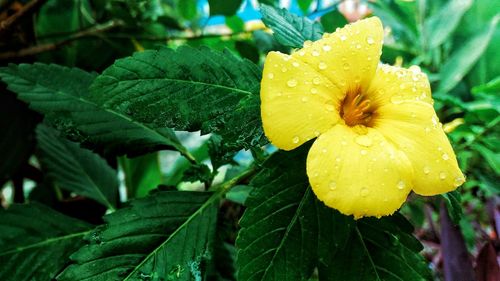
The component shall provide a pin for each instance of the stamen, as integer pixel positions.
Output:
(357, 109)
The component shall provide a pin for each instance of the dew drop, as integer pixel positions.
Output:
(427, 129)
(442, 175)
(364, 192)
(291, 83)
(363, 152)
(296, 139)
(343, 142)
(343, 37)
(338, 159)
(314, 91)
(370, 40)
(329, 107)
(364, 140)
(302, 53)
(283, 69)
(427, 170)
(397, 99)
(324, 150)
(315, 53)
(308, 43)
(270, 75)
(459, 181)
(346, 66)
(304, 99)
(316, 80)
(401, 185)
(327, 48)
(333, 185)
(358, 46)
(322, 65)
(295, 64)
(445, 156)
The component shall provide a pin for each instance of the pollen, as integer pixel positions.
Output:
(357, 109)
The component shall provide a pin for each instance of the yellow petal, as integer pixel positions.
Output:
(395, 85)
(356, 171)
(349, 56)
(298, 103)
(407, 119)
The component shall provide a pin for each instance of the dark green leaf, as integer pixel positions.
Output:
(61, 94)
(224, 7)
(76, 169)
(491, 157)
(282, 225)
(464, 58)
(165, 236)
(186, 89)
(441, 25)
(200, 172)
(35, 242)
(378, 249)
(333, 20)
(289, 29)
(453, 205)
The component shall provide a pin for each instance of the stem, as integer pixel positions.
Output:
(226, 186)
(477, 137)
(27, 10)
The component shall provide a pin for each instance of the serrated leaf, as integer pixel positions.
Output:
(35, 242)
(442, 24)
(61, 94)
(465, 56)
(289, 29)
(165, 236)
(453, 205)
(280, 230)
(186, 89)
(378, 249)
(76, 169)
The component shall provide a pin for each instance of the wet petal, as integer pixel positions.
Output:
(356, 171)
(415, 129)
(395, 85)
(298, 103)
(349, 56)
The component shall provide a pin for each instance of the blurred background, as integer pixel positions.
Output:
(456, 42)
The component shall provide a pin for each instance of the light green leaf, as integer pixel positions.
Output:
(186, 89)
(61, 94)
(464, 58)
(142, 174)
(289, 29)
(304, 5)
(441, 25)
(35, 241)
(280, 230)
(76, 169)
(187, 8)
(165, 236)
(492, 158)
(378, 249)
(224, 7)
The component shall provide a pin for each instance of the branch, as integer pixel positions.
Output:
(34, 50)
(27, 10)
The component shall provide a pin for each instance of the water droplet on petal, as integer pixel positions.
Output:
(324, 150)
(327, 48)
(442, 175)
(315, 53)
(427, 170)
(302, 53)
(316, 80)
(364, 140)
(445, 156)
(346, 66)
(283, 69)
(343, 37)
(333, 185)
(295, 64)
(291, 83)
(397, 99)
(322, 65)
(358, 46)
(307, 43)
(304, 99)
(296, 139)
(459, 181)
(364, 192)
(338, 159)
(270, 75)
(363, 152)
(401, 185)
(317, 133)
(314, 91)
(370, 40)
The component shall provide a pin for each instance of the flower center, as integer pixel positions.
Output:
(357, 109)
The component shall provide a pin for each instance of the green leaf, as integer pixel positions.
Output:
(378, 249)
(289, 29)
(280, 230)
(165, 236)
(35, 241)
(224, 7)
(453, 205)
(441, 25)
(187, 8)
(464, 58)
(61, 94)
(235, 23)
(142, 174)
(492, 158)
(76, 169)
(333, 20)
(492, 87)
(304, 5)
(186, 89)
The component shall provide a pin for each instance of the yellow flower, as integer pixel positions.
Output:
(378, 136)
